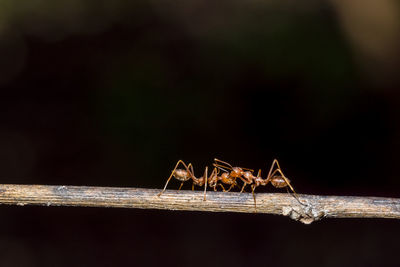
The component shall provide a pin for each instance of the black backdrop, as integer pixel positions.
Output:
(95, 99)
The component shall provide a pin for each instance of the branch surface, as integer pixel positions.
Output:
(307, 208)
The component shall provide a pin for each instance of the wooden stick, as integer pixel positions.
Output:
(307, 208)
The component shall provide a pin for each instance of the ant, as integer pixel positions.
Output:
(277, 180)
(185, 174)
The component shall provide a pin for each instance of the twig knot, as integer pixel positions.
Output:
(303, 213)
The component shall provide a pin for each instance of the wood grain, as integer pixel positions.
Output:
(307, 208)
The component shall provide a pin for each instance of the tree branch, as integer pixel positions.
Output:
(307, 208)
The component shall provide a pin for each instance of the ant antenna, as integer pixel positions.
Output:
(226, 163)
(229, 165)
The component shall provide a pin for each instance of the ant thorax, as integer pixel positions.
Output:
(248, 176)
(181, 175)
(237, 171)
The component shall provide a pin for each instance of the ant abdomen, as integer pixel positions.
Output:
(182, 175)
(279, 182)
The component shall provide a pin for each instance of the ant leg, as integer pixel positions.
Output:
(191, 172)
(205, 181)
(253, 187)
(270, 170)
(244, 185)
(180, 186)
(190, 169)
(172, 174)
(233, 185)
(226, 163)
(296, 197)
(223, 188)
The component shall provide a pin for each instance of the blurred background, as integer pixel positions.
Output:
(114, 93)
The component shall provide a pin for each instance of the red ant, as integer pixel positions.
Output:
(277, 181)
(185, 174)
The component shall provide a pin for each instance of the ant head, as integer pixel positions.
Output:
(212, 182)
(224, 175)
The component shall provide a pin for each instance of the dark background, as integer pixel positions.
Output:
(113, 93)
